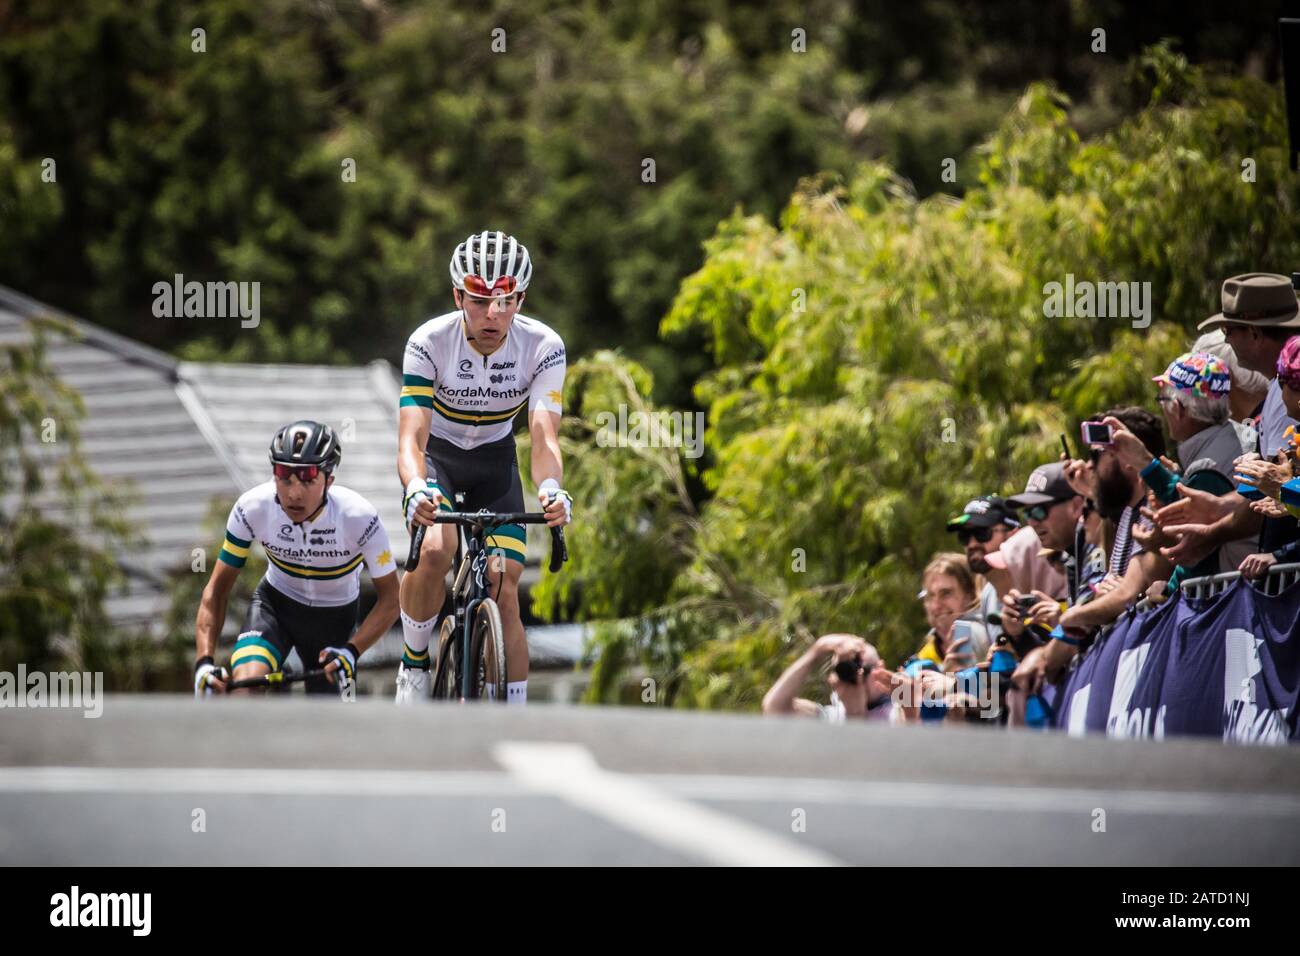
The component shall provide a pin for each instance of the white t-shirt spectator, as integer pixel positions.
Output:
(1273, 421)
(834, 711)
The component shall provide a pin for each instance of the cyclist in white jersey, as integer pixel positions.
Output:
(316, 535)
(466, 375)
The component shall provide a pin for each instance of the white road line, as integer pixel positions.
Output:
(973, 796)
(259, 780)
(570, 771)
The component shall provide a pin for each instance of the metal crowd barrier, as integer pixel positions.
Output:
(1279, 578)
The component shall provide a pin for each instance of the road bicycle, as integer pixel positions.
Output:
(470, 663)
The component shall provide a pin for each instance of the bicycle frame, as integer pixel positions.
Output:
(469, 591)
(470, 587)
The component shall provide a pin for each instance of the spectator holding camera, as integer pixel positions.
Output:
(957, 638)
(1057, 513)
(858, 680)
(1194, 396)
(1126, 435)
(1260, 313)
(1004, 553)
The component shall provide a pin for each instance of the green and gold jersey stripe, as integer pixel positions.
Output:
(254, 647)
(234, 551)
(509, 540)
(416, 390)
(317, 574)
(473, 418)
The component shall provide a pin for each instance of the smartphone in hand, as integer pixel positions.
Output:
(1096, 433)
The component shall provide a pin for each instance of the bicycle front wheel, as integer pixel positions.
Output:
(488, 654)
(446, 676)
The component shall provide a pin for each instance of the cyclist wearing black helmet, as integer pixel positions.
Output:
(316, 535)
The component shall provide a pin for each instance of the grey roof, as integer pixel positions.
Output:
(177, 435)
(244, 405)
(138, 437)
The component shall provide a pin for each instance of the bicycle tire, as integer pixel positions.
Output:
(446, 679)
(488, 652)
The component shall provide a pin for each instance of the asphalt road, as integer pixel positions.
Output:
(165, 780)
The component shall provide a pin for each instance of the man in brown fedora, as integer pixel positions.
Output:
(1259, 313)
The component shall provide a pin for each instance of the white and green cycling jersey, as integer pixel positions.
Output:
(475, 397)
(316, 562)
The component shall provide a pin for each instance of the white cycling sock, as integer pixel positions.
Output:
(491, 690)
(416, 635)
(517, 692)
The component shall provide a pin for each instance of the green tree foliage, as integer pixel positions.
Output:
(227, 164)
(60, 527)
(185, 590)
(923, 371)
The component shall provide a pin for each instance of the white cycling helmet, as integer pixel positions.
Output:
(491, 263)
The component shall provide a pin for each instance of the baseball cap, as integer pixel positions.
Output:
(1046, 484)
(1200, 373)
(986, 511)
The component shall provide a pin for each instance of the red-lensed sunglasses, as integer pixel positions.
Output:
(477, 285)
(305, 473)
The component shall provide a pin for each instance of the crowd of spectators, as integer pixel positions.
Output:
(1042, 572)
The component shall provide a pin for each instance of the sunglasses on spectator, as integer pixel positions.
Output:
(981, 535)
(305, 473)
(1040, 512)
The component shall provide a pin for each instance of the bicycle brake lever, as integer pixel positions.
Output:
(559, 550)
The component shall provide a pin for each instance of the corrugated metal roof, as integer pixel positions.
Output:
(247, 404)
(137, 437)
(175, 435)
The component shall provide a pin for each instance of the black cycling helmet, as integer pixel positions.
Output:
(306, 443)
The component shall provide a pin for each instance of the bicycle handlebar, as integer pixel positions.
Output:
(490, 519)
(274, 678)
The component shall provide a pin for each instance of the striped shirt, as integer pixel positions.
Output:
(317, 562)
(475, 397)
(1124, 546)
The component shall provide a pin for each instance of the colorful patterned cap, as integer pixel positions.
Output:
(1200, 373)
(1288, 363)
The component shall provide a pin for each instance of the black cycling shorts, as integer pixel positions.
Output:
(276, 624)
(488, 477)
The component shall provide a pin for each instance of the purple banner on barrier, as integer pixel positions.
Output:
(1134, 706)
(1226, 666)
(1087, 694)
